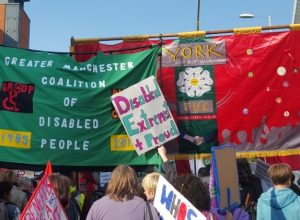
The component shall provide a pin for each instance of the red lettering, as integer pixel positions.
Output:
(181, 212)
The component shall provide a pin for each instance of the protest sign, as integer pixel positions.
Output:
(145, 115)
(227, 182)
(172, 205)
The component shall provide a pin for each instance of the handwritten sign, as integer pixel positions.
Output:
(145, 115)
(43, 204)
(172, 205)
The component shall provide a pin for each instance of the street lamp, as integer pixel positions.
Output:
(198, 15)
(247, 15)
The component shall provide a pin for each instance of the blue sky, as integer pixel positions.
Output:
(54, 22)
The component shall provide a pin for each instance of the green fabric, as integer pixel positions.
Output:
(58, 102)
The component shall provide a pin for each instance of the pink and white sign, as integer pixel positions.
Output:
(145, 115)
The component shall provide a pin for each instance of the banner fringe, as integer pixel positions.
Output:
(250, 154)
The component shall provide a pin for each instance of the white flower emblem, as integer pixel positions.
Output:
(194, 81)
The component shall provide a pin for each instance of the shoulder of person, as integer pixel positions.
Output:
(11, 204)
(138, 199)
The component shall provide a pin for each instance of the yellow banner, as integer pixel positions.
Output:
(12, 138)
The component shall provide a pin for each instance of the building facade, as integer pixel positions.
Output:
(14, 24)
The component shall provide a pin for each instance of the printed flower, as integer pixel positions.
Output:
(194, 81)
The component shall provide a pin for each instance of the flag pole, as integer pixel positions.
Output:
(174, 35)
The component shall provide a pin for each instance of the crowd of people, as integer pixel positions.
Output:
(125, 197)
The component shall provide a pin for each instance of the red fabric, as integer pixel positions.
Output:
(263, 94)
(87, 182)
(253, 99)
(292, 160)
(183, 167)
(119, 48)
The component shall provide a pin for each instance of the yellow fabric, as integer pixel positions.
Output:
(294, 26)
(81, 199)
(193, 34)
(248, 30)
(250, 154)
(136, 38)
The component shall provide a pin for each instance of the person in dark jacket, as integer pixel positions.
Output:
(293, 186)
(12, 210)
(250, 185)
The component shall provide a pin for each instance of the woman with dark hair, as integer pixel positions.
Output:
(120, 201)
(194, 190)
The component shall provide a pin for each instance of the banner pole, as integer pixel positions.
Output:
(167, 35)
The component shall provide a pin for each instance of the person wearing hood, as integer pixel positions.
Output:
(279, 202)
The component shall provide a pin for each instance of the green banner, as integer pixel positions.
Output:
(54, 108)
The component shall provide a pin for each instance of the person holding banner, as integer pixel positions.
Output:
(120, 201)
(149, 182)
(279, 202)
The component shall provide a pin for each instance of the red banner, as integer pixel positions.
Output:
(249, 88)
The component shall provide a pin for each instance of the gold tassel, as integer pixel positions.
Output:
(294, 27)
(248, 30)
(250, 154)
(193, 34)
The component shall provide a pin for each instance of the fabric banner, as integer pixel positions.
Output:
(54, 108)
(235, 89)
(145, 115)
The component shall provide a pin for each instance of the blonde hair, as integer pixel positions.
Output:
(149, 182)
(280, 173)
(123, 184)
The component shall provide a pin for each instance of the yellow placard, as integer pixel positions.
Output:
(121, 143)
(12, 138)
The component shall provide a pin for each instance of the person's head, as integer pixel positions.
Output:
(203, 172)
(24, 183)
(9, 176)
(140, 192)
(194, 190)
(280, 174)
(243, 166)
(149, 184)
(123, 183)
(71, 175)
(61, 185)
(5, 188)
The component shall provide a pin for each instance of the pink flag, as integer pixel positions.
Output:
(44, 203)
